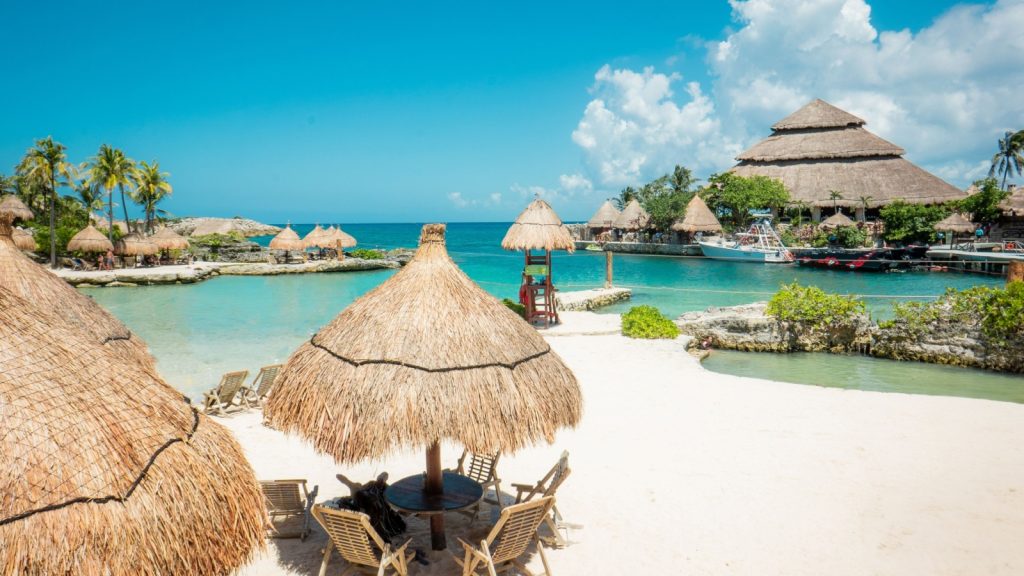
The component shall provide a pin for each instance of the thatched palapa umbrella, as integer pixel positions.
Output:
(134, 245)
(12, 208)
(341, 238)
(955, 223)
(605, 216)
(315, 238)
(108, 470)
(633, 217)
(167, 239)
(399, 369)
(287, 240)
(32, 282)
(89, 239)
(538, 228)
(698, 218)
(24, 240)
(837, 220)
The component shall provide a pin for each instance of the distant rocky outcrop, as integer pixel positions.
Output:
(205, 226)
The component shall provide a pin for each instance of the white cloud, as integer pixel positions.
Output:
(575, 182)
(945, 93)
(457, 199)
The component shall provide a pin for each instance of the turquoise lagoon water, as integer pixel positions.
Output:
(200, 331)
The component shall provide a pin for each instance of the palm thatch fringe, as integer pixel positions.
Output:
(633, 217)
(32, 282)
(89, 239)
(13, 208)
(818, 144)
(698, 218)
(1014, 203)
(135, 245)
(604, 217)
(955, 222)
(396, 369)
(837, 220)
(818, 114)
(24, 240)
(312, 240)
(538, 228)
(337, 235)
(167, 239)
(287, 239)
(106, 468)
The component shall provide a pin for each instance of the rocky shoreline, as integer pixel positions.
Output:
(939, 341)
(243, 226)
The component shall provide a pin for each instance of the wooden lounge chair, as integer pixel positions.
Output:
(482, 469)
(547, 486)
(357, 542)
(257, 392)
(223, 396)
(289, 498)
(510, 537)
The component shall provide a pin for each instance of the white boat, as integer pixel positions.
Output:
(759, 244)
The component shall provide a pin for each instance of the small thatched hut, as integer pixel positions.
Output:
(957, 223)
(1014, 203)
(24, 240)
(30, 281)
(820, 149)
(106, 469)
(605, 217)
(287, 240)
(426, 356)
(135, 245)
(633, 217)
(837, 220)
(167, 239)
(13, 208)
(698, 218)
(89, 239)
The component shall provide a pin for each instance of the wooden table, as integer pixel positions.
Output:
(408, 494)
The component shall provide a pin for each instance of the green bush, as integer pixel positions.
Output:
(844, 236)
(366, 254)
(1000, 311)
(515, 307)
(812, 305)
(217, 240)
(911, 222)
(648, 322)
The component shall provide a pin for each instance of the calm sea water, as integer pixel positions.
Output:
(200, 331)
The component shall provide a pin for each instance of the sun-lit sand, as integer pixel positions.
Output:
(677, 470)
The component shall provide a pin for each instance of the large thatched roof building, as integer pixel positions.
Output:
(820, 149)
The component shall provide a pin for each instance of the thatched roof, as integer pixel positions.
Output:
(955, 222)
(24, 240)
(106, 469)
(604, 217)
(287, 239)
(167, 239)
(13, 208)
(336, 235)
(397, 369)
(837, 220)
(313, 238)
(32, 282)
(538, 228)
(697, 218)
(89, 239)
(214, 226)
(818, 114)
(1014, 203)
(632, 217)
(820, 148)
(135, 245)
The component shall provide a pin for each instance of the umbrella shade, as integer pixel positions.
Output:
(135, 245)
(604, 217)
(14, 209)
(30, 281)
(396, 369)
(24, 240)
(338, 235)
(167, 239)
(698, 218)
(837, 220)
(955, 222)
(633, 217)
(89, 239)
(287, 239)
(538, 228)
(315, 238)
(109, 466)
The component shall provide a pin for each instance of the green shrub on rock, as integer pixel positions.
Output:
(813, 306)
(648, 322)
(366, 254)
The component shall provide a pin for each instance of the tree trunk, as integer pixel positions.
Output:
(110, 215)
(124, 206)
(53, 220)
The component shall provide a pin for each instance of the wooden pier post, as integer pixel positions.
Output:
(607, 268)
(1015, 271)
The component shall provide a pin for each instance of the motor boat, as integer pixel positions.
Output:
(758, 244)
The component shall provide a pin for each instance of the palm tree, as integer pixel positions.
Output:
(681, 179)
(625, 197)
(89, 194)
(1009, 158)
(47, 163)
(835, 197)
(110, 168)
(796, 211)
(151, 187)
(864, 200)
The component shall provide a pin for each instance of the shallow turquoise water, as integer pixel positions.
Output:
(865, 373)
(200, 331)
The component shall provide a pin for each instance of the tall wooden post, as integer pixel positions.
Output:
(434, 484)
(607, 269)
(1015, 271)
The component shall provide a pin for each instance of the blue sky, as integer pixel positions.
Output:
(460, 111)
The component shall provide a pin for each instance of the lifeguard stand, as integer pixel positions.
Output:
(537, 292)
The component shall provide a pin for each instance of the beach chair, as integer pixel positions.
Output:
(547, 486)
(511, 536)
(482, 469)
(257, 392)
(358, 543)
(223, 396)
(289, 498)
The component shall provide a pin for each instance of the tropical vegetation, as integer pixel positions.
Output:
(1009, 158)
(649, 323)
(813, 306)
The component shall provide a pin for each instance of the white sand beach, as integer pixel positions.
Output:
(677, 470)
